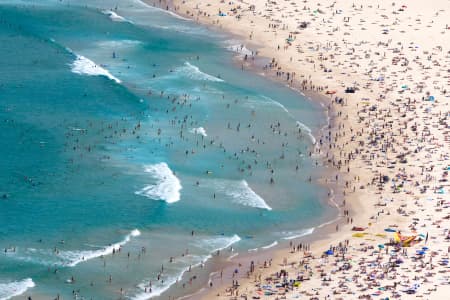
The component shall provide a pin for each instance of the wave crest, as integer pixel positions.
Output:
(114, 16)
(73, 258)
(199, 130)
(70, 258)
(209, 246)
(241, 193)
(193, 72)
(14, 289)
(85, 66)
(166, 187)
(293, 235)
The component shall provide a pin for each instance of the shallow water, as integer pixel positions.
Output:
(132, 128)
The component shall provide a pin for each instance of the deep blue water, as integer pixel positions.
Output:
(173, 139)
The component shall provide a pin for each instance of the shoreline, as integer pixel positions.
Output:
(361, 213)
(322, 233)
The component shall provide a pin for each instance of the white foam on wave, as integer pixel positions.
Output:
(73, 258)
(215, 244)
(307, 130)
(160, 287)
(15, 288)
(174, 27)
(164, 11)
(300, 125)
(193, 72)
(301, 234)
(270, 246)
(167, 186)
(199, 130)
(329, 222)
(270, 101)
(85, 66)
(118, 43)
(242, 194)
(210, 245)
(114, 16)
(240, 49)
(70, 258)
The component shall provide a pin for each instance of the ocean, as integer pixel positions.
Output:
(127, 127)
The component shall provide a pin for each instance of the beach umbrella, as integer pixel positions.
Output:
(329, 252)
(381, 246)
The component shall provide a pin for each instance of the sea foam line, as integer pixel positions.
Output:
(305, 232)
(270, 246)
(73, 258)
(193, 72)
(240, 49)
(164, 11)
(70, 258)
(211, 245)
(199, 130)
(167, 186)
(114, 16)
(241, 193)
(14, 289)
(84, 66)
(308, 131)
(299, 124)
(244, 195)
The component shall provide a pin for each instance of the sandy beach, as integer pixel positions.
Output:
(384, 68)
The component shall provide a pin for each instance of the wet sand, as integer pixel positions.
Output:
(384, 69)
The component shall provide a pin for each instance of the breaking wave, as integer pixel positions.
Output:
(241, 193)
(14, 289)
(181, 266)
(114, 16)
(193, 72)
(85, 66)
(73, 258)
(199, 130)
(166, 187)
(293, 235)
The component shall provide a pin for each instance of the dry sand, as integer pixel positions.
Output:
(389, 149)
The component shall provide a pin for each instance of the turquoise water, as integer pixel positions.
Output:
(133, 129)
